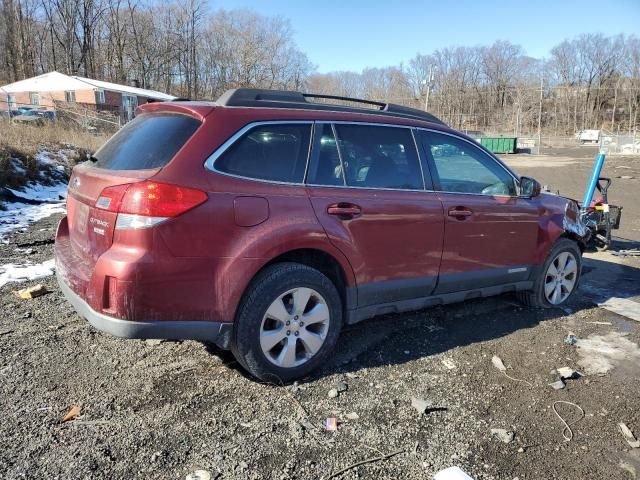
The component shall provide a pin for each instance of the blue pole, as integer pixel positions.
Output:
(593, 181)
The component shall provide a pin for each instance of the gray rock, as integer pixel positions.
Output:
(333, 393)
(199, 475)
(503, 435)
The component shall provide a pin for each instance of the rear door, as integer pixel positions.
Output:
(367, 189)
(490, 233)
(137, 152)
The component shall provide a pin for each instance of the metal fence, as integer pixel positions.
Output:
(621, 144)
(76, 115)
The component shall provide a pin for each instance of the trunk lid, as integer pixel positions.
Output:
(134, 154)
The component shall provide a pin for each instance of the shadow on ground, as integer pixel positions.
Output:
(401, 338)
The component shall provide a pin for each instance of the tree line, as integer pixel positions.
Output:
(178, 47)
(185, 48)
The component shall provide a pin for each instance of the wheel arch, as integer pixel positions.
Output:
(332, 264)
(324, 262)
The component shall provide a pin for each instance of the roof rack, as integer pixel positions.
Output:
(255, 97)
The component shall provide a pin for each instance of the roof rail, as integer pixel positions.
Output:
(255, 97)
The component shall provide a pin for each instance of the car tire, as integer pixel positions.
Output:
(551, 285)
(270, 337)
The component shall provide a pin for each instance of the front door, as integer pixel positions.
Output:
(490, 233)
(367, 190)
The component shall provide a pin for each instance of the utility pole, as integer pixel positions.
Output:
(429, 80)
(540, 114)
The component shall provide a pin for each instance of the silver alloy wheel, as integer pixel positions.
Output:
(294, 327)
(560, 278)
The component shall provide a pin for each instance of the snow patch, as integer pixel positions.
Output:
(18, 215)
(42, 193)
(12, 272)
(601, 353)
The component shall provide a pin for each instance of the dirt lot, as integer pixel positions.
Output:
(164, 410)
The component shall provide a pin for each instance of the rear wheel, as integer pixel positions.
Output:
(287, 323)
(558, 278)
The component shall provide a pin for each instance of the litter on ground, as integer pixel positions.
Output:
(32, 292)
(628, 435)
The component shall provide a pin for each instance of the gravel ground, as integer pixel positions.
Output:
(162, 410)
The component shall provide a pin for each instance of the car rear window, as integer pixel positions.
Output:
(148, 141)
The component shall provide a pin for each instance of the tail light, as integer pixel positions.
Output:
(144, 204)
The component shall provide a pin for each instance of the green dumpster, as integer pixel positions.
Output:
(500, 144)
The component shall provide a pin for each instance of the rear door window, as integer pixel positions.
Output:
(379, 157)
(325, 167)
(148, 141)
(274, 152)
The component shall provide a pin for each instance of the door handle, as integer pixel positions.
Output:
(460, 212)
(345, 210)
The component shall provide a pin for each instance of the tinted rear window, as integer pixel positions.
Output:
(148, 141)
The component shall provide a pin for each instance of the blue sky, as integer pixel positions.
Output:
(353, 34)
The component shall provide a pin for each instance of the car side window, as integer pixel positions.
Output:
(461, 167)
(325, 167)
(379, 157)
(275, 152)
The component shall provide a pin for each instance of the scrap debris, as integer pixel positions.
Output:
(32, 292)
(559, 385)
(199, 475)
(73, 412)
(567, 433)
(421, 405)
(629, 436)
(566, 373)
(499, 364)
(632, 252)
(502, 434)
(570, 339)
(452, 473)
(330, 424)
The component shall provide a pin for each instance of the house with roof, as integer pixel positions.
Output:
(54, 90)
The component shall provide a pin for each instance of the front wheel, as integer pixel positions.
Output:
(558, 278)
(287, 323)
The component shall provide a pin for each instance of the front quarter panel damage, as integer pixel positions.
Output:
(559, 217)
(573, 225)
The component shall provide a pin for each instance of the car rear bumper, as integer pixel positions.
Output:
(206, 331)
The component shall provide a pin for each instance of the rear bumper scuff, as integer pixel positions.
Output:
(206, 331)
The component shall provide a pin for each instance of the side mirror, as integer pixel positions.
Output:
(529, 187)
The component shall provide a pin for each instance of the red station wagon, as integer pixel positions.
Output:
(267, 220)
